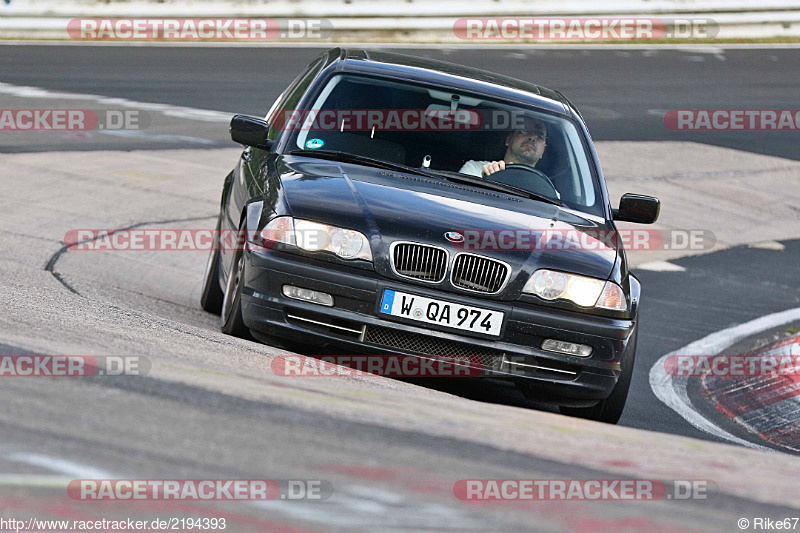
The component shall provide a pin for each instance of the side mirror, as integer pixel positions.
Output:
(250, 131)
(637, 208)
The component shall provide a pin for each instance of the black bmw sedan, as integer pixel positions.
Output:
(396, 205)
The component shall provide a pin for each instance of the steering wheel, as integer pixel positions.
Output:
(526, 177)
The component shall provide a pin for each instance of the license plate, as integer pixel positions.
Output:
(448, 314)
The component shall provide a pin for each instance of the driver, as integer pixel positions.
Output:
(524, 147)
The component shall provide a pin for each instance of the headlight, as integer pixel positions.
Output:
(316, 237)
(582, 290)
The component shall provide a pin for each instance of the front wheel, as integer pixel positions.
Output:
(610, 409)
(212, 297)
(230, 319)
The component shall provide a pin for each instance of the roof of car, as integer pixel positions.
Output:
(448, 74)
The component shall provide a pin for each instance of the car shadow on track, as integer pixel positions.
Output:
(481, 390)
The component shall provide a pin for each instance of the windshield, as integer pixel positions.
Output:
(447, 132)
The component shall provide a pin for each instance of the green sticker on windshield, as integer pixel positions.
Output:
(314, 143)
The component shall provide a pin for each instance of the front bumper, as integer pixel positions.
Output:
(354, 323)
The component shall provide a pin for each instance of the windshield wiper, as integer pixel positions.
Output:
(347, 157)
(500, 187)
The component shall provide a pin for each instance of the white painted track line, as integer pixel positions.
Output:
(672, 391)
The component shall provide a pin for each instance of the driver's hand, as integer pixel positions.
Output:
(494, 166)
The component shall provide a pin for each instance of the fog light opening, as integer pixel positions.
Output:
(307, 295)
(569, 348)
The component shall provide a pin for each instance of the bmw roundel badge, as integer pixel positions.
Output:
(454, 236)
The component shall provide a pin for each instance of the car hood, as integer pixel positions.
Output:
(390, 206)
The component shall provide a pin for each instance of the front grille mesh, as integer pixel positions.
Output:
(419, 261)
(426, 345)
(478, 273)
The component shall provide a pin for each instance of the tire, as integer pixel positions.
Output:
(230, 319)
(212, 296)
(610, 409)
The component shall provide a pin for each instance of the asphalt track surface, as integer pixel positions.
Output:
(386, 479)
